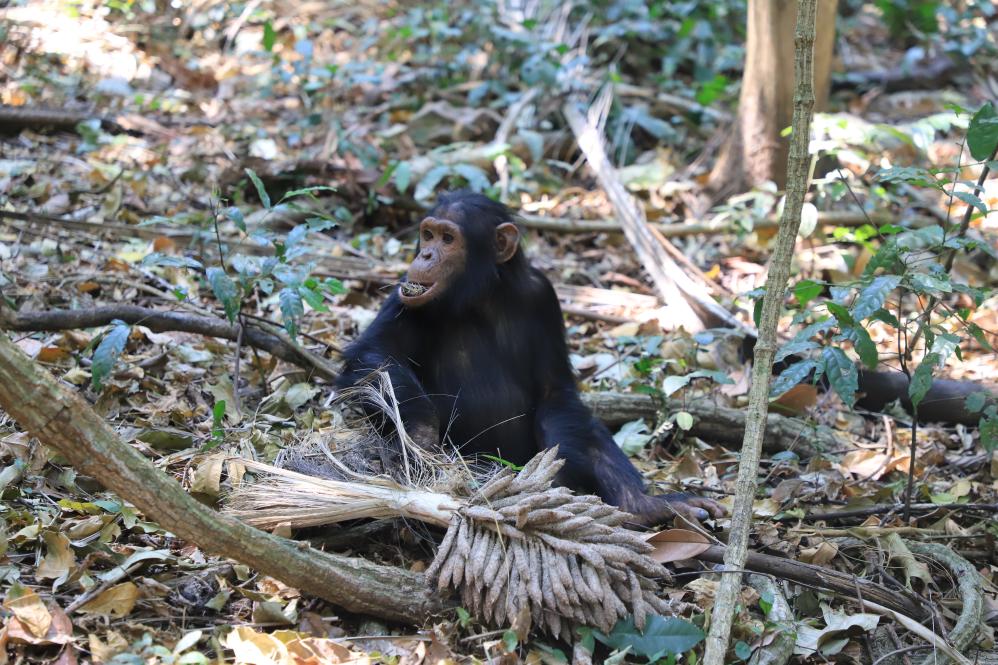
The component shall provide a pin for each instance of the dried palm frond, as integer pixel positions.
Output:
(516, 547)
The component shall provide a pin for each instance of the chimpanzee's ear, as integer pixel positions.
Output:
(507, 241)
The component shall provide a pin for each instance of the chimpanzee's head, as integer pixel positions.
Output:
(465, 242)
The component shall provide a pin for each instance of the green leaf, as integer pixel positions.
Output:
(107, 352)
(930, 284)
(975, 402)
(313, 298)
(684, 420)
(972, 200)
(476, 178)
(269, 37)
(430, 181)
(766, 602)
(661, 637)
(463, 617)
(807, 290)
(794, 347)
(510, 641)
(872, 297)
(260, 189)
(226, 291)
(864, 346)
(989, 433)
(236, 215)
(909, 175)
(921, 379)
(296, 236)
(841, 314)
(159, 259)
(403, 176)
(979, 335)
(982, 134)
(292, 309)
(333, 286)
(887, 257)
(307, 190)
(743, 650)
(842, 374)
(673, 383)
(886, 317)
(791, 376)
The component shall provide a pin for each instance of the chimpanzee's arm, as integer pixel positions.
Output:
(593, 460)
(384, 346)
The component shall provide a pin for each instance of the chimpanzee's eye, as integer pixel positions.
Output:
(427, 235)
(448, 238)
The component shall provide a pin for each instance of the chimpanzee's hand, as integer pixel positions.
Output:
(663, 508)
(425, 436)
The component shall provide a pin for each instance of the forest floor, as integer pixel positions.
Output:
(344, 117)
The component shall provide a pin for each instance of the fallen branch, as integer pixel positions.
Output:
(675, 287)
(928, 74)
(691, 227)
(971, 586)
(59, 418)
(15, 118)
(273, 342)
(848, 586)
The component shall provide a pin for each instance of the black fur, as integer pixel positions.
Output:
(486, 366)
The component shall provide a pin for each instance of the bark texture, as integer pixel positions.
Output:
(755, 152)
(798, 164)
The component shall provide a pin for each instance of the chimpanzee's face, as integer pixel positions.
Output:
(441, 259)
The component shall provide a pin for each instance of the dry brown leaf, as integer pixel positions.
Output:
(28, 608)
(797, 400)
(116, 601)
(59, 558)
(52, 354)
(677, 545)
(208, 475)
(287, 647)
(821, 555)
(60, 630)
(104, 650)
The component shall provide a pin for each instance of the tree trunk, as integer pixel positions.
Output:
(755, 151)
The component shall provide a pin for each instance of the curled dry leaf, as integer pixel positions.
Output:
(676, 545)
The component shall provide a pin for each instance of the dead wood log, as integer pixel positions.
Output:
(929, 74)
(715, 423)
(820, 577)
(59, 418)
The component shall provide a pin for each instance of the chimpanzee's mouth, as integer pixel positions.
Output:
(415, 293)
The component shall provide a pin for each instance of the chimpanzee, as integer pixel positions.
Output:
(474, 342)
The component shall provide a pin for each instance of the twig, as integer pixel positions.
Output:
(951, 255)
(880, 509)
(798, 163)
